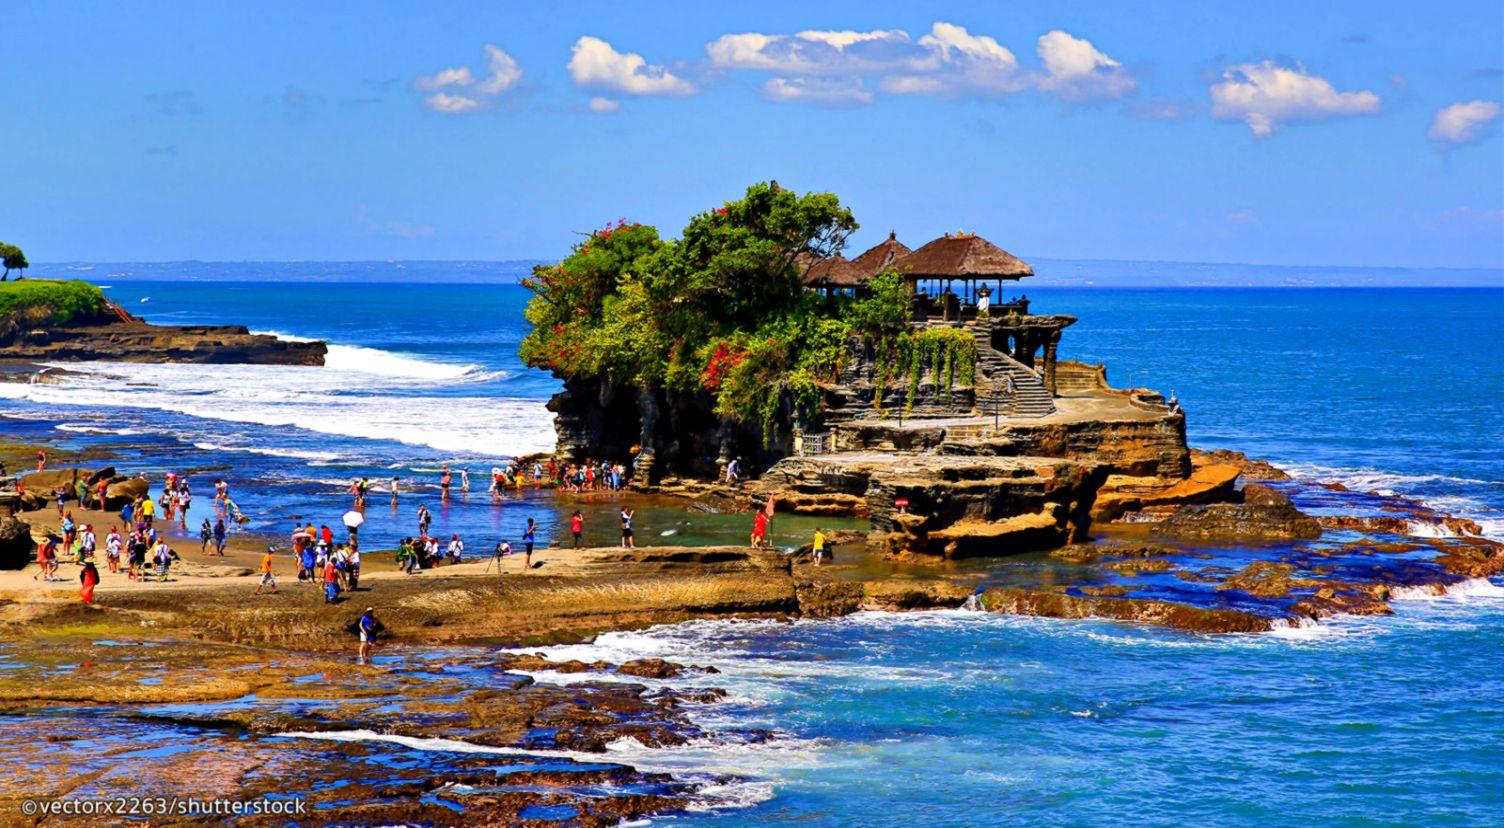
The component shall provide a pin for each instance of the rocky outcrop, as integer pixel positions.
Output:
(137, 341)
(17, 548)
(1180, 616)
(38, 488)
(1206, 484)
(1244, 521)
(1249, 468)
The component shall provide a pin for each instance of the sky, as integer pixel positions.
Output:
(1330, 133)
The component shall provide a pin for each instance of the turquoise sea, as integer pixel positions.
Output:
(942, 718)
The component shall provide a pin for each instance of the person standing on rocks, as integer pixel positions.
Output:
(819, 547)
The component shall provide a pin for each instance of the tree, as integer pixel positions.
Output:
(13, 259)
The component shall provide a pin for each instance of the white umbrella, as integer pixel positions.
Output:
(354, 518)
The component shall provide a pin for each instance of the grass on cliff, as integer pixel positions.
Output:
(48, 301)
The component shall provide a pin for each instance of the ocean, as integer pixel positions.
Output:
(938, 718)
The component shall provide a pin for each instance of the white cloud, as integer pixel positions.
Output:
(822, 91)
(458, 76)
(948, 61)
(595, 65)
(603, 105)
(1075, 70)
(1265, 96)
(502, 73)
(450, 104)
(1462, 123)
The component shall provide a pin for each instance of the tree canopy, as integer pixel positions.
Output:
(12, 258)
(721, 310)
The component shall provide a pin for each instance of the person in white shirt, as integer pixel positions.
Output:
(456, 549)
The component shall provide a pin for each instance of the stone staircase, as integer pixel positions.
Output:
(1030, 397)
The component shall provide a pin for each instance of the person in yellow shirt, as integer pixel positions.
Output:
(148, 511)
(267, 578)
(819, 547)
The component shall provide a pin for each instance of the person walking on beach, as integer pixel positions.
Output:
(503, 549)
(267, 578)
(205, 534)
(184, 500)
(163, 558)
(367, 628)
(456, 549)
(45, 565)
(88, 578)
(577, 528)
(425, 519)
(148, 511)
(352, 566)
(112, 548)
(626, 528)
(527, 543)
(61, 493)
(219, 537)
(444, 480)
(331, 582)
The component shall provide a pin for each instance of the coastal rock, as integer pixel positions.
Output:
(1206, 484)
(1248, 468)
(657, 668)
(137, 341)
(1022, 533)
(121, 492)
(1240, 520)
(46, 482)
(903, 595)
(537, 662)
(1258, 494)
(1180, 616)
(829, 599)
(17, 548)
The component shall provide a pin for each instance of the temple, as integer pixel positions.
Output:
(953, 282)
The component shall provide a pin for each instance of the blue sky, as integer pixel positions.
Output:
(1283, 133)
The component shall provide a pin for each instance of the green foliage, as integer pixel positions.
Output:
(44, 300)
(12, 258)
(720, 310)
(945, 353)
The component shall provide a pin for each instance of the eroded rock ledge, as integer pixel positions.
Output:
(137, 341)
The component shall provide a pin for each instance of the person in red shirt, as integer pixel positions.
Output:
(331, 582)
(759, 529)
(577, 526)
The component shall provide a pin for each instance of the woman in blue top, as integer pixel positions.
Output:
(527, 540)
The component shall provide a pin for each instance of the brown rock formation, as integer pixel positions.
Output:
(1250, 468)
(1206, 484)
(1242, 521)
(1179, 616)
(17, 549)
(137, 341)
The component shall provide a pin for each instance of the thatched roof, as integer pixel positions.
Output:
(877, 259)
(835, 271)
(962, 257)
